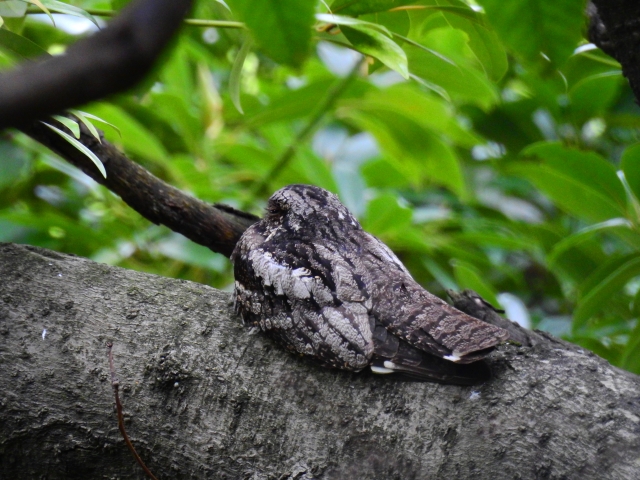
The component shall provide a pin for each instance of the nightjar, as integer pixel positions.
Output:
(310, 277)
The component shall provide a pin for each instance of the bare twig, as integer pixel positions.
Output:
(115, 383)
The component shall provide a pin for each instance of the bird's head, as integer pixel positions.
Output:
(308, 207)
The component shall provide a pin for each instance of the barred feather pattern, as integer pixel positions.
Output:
(310, 277)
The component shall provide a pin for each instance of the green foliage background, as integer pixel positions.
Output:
(476, 141)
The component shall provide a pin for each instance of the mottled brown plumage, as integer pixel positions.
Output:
(311, 278)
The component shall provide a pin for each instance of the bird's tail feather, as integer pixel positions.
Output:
(393, 355)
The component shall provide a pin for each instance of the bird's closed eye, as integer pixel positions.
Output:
(275, 209)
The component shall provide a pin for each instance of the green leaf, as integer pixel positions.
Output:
(13, 8)
(568, 193)
(413, 150)
(630, 359)
(583, 183)
(70, 124)
(482, 40)
(40, 5)
(630, 164)
(81, 116)
(119, 4)
(353, 7)
(84, 116)
(593, 95)
(586, 167)
(381, 173)
(92, 156)
(532, 27)
(423, 109)
(281, 28)
(352, 22)
(19, 46)
(461, 81)
(236, 73)
(134, 136)
(375, 44)
(467, 276)
(584, 235)
(371, 39)
(67, 9)
(602, 284)
(385, 214)
(14, 165)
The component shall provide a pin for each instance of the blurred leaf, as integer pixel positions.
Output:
(13, 165)
(173, 108)
(583, 235)
(587, 167)
(381, 173)
(412, 148)
(630, 164)
(423, 109)
(351, 7)
(19, 46)
(92, 156)
(461, 82)
(373, 43)
(281, 28)
(467, 276)
(601, 284)
(236, 73)
(631, 355)
(385, 214)
(67, 9)
(371, 39)
(40, 5)
(532, 27)
(119, 4)
(13, 8)
(483, 41)
(593, 95)
(581, 182)
(352, 22)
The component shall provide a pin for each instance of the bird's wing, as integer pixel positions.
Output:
(393, 355)
(423, 320)
(306, 296)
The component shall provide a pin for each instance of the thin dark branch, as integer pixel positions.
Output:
(473, 304)
(217, 227)
(115, 383)
(615, 27)
(112, 60)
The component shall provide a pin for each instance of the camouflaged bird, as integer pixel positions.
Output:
(315, 281)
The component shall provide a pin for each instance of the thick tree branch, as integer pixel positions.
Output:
(215, 226)
(110, 61)
(204, 397)
(615, 28)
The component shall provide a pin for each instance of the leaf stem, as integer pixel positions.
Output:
(316, 116)
(196, 22)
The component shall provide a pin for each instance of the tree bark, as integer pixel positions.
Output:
(205, 397)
